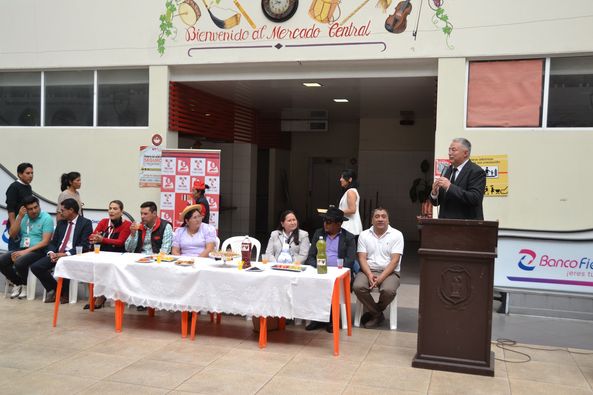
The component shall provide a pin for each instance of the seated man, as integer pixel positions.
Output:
(153, 235)
(379, 251)
(35, 228)
(71, 231)
(339, 244)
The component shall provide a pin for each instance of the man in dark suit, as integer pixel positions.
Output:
(339, 244)
(73, 230)
(460, 190)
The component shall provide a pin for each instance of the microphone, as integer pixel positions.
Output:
(445, 169)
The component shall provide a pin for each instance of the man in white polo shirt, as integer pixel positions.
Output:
(379, 252)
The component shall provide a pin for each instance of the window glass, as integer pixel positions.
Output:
(20, 99)
(570, 101)
(123, 97)
(69, 98)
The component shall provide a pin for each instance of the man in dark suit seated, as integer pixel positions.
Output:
(339, 244)
(460, 190)
(71, 231)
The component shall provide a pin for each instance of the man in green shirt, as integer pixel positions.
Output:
(35, 228)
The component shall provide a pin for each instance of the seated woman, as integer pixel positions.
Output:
(288, 232)
(111, 233)
(194, 238)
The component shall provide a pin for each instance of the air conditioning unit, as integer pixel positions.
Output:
(303, 113)
(308, 125)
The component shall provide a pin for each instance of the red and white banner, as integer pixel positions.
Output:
(179, 170)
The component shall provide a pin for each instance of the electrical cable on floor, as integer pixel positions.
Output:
(505, 343)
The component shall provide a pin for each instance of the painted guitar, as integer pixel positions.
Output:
(397, 22)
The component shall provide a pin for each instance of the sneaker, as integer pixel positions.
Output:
(23, 293)
(16, 290)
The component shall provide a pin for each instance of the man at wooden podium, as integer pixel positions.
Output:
(460, 190)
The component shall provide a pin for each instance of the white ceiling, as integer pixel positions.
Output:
(368, 97)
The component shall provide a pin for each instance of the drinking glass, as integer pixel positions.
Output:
(97, 248)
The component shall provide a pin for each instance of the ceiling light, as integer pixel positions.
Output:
(341, 100)
(312, 84)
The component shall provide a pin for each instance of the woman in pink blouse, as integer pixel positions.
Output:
(194, 238)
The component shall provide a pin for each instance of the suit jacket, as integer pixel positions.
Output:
(298, 252)
(80, 235)
(346, 248)
(464, 198)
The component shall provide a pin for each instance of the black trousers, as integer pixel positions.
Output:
(18, 271)
(42, 269)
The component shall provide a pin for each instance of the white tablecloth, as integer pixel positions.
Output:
(206, 286)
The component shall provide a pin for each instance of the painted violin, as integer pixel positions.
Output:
(397, 22)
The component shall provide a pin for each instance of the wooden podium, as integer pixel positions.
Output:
(456, 280)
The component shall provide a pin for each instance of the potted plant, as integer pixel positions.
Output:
(420, 190)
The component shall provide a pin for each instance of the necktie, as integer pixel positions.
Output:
(453, 175)
(66, 237)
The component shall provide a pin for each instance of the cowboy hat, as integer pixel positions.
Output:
(335, 214)
(190, 208)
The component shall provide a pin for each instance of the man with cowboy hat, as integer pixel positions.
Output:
(339, 244)
(199, 189)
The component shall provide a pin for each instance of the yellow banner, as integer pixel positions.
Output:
(497, 174)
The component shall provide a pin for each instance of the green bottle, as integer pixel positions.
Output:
(321, 256)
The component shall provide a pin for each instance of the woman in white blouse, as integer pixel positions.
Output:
(350, 202)
(288, 232)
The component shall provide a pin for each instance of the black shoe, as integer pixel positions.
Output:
(98, 304)
(64, 299)
(50, 297)
(375, 321)
(329, 328)
(313, 325)
(140, 308)
(366, 317)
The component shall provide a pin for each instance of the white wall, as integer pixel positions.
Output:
(548, 169)
(389, 160)
(107, 158)
(84, 33)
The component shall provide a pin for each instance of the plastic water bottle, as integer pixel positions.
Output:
(321, 256)
(284, 256)
(246, 252)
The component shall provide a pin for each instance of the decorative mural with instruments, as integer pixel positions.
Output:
(209, 25)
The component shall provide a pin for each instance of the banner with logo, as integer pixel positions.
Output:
(179, 170)
(554, 265)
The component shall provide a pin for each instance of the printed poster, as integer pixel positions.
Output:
(497, 174)
(496, 168)
(150, 167)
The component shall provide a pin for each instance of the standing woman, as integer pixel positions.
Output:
(111, 233)
(200, 198)
(70, 183)
(350, 202)
(194, 237)
(288, 232)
